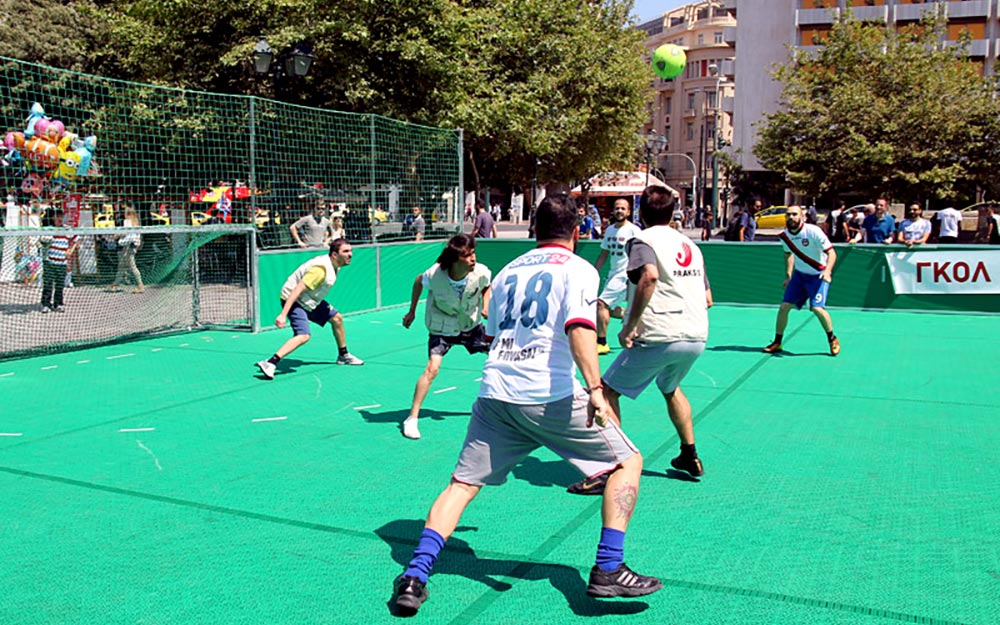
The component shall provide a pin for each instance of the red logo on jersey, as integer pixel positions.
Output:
(685, 256)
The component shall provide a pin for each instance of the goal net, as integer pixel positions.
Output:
(73, 287)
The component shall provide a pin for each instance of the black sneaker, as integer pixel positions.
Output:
(590, 485)
(621, 582)
(409, 594)
(692, 466)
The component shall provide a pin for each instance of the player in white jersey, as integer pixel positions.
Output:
(809, 260)
(541, 316)
(613, 298)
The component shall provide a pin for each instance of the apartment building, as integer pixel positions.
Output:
(767, 30)
(687, 112)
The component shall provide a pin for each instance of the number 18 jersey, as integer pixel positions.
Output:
(533, 302)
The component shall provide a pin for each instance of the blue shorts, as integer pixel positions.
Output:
(473, 340)
(804, 288)
(300, 317)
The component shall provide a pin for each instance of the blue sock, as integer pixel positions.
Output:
(426, 554)
(611, 549)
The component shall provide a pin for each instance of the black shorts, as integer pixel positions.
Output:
(474, 341)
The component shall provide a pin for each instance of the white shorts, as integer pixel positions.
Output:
(667, 363)
(615, 293)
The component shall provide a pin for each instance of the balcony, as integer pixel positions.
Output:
(969, 8)
(728, 68)
(977, 47)
(688, 113)
(809, 17)
(913, 12)
(872, 14)
(729, 35)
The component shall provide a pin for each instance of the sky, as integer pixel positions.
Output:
(648, 9)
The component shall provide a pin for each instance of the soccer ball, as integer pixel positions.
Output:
(669, 61)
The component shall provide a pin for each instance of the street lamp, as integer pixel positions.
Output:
(654, 144)
(713, 69)
(294, 61)
(694, 167)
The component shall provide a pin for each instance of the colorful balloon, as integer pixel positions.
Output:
(64, 175)
(86, 154)
(41, 154)
(36, 113)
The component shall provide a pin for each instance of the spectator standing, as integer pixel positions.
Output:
(915, 230)
(879, 226)
(949, 225)
(484, 227)
(337, 228)
(748, 222)
(312, 230)
(530, 397)
(812, 217)
(61, 249)
(706, 226)
(833, 223)
(128, 247)
(418, 225)
(586, 223)
(809, 260)
(992, 231)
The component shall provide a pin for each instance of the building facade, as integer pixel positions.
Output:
(768, 31)
(688, 114)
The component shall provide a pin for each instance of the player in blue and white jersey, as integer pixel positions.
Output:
(809, 260)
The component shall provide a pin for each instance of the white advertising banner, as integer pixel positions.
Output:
(945, 273)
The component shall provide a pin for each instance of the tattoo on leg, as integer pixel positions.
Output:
(625, 498)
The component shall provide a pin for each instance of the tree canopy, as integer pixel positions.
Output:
(882, 111)
(562, 82)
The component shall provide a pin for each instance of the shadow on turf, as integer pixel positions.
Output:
(396, 416)
(760, 350)
(290, 365)
(458, 558)
(560, 473)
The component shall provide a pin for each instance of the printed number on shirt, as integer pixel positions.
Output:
(534, 310)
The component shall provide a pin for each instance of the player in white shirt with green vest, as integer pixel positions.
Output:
(302, 301)
(458, 295)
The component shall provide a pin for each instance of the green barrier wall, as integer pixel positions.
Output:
(740, 274)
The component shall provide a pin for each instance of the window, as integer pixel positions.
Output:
(703, 13)
(690, 105)
(690, 131)
(667, 105)
(688, 162)
(718, 36)
(701, 39)
(713, 99)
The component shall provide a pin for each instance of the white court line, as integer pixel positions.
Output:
(50, 367)
(136, 429)
(367, 407)
(478, 380)
(11, 434)
(82, 362)
(445, 390)
(119, 356)
(319, 386)
(235, 336)
(183, 344)
(714, 384)
(268, 419)
(4, 375)
(156, 349)
(376, 322)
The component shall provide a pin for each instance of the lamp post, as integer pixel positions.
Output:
(654, 143)
(713, 69)
(694, 167)
(293, 62)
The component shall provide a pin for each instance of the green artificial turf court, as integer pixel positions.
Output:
(164, 481)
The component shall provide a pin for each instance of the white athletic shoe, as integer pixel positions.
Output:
(410, 429)
(349, 359)
(267, 368)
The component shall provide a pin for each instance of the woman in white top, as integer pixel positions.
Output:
(128, 245)
(337, 228)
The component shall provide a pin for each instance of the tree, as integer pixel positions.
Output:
(562, 81)
(883, 112)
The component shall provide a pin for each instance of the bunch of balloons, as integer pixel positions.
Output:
(50, 157)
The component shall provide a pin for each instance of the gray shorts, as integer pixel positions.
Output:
(615, 293)
(501, 435)
(667, 363)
